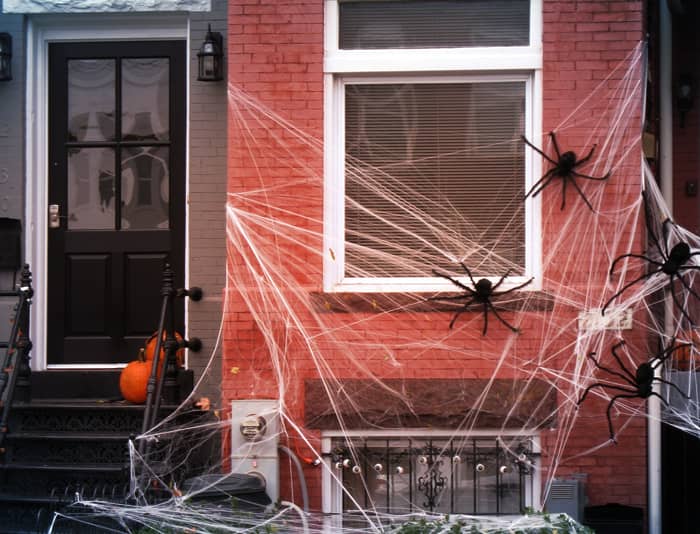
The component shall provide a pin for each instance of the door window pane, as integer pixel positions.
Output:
(145, 99)
(145, 188)
(91, 189)
(91, 98)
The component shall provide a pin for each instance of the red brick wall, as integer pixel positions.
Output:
(275, 55)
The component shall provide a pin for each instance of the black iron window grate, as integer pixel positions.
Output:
(484, 475)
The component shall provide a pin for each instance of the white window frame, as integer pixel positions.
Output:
(331, 487)
(342, 67)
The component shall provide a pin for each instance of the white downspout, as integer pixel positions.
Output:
(666, 171)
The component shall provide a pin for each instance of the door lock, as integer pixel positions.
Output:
(54, 216)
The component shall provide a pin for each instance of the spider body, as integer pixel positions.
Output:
(566, 164)
(639, 385)
(644, 378)
(677, 258)
(483, 290)
(673, 262)
(482, 293)
(563, 167)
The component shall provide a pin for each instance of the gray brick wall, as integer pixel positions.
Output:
(12, 123)
(207, 198)
(12, 104)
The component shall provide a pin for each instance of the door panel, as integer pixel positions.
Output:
(117, 173)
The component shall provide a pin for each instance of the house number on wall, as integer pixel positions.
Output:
(4, 175)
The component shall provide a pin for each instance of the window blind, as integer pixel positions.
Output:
(434, 172)
(434, 23)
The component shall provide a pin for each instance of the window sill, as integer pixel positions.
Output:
(348, 302)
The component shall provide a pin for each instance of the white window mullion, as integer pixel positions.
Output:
(433, 60)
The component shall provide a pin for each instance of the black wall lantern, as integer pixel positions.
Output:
(684, 96)
(211, 58)
(5, 57)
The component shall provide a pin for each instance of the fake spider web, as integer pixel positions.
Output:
(280, 332)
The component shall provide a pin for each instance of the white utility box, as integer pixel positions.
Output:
(255, 428)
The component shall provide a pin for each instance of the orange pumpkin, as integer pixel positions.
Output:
(133, 381)
(151, 348)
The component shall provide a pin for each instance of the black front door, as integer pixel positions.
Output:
(116, 194)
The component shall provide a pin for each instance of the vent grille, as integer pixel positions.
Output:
(563, 491)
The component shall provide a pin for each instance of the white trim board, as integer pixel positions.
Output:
(42, 30)
(101, 6)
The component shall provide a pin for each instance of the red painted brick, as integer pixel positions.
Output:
(279, 62)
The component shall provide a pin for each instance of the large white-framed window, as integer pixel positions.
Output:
(424, 162)
(438, 471)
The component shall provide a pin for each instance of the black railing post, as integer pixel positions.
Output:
(167, 378)
(168, 384)
(14, 382)
(167, 292)
(23, 388)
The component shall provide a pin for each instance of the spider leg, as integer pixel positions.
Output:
(498, 316)
(664, 230)
(587, 156)
(515, 288)
(626, 371)
(541, 184)
(454, 281)
(501, 280)
(639, 256)
(565, 182)
(614, 373)
(686, 285)
(665, 355)
(585, 393)
(649, 223)
(625, 287)
(679, 305)
(576, 186)
(466, 270)
(612, 401)
(673, 386)
(589, 177)
(452, 297)
(460, 312)
(556, 145)
(599, 385)
(486, 319)
(655, 394)
(545, 156)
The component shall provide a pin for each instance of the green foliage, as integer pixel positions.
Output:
(560, 524)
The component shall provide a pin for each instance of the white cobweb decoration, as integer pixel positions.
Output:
(344, 371)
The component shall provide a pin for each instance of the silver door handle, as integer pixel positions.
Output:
(54, 216)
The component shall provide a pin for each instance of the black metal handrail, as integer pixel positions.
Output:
(167, 378)
(15, 369)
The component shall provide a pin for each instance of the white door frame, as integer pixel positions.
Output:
(42, 30)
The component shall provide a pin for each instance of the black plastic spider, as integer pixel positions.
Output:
(484, 290)
(671, 262)
(636, 386)
(565, 168)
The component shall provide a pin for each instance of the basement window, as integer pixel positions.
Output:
(401, 474)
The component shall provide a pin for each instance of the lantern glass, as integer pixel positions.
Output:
(210, 58)
(5, 57)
